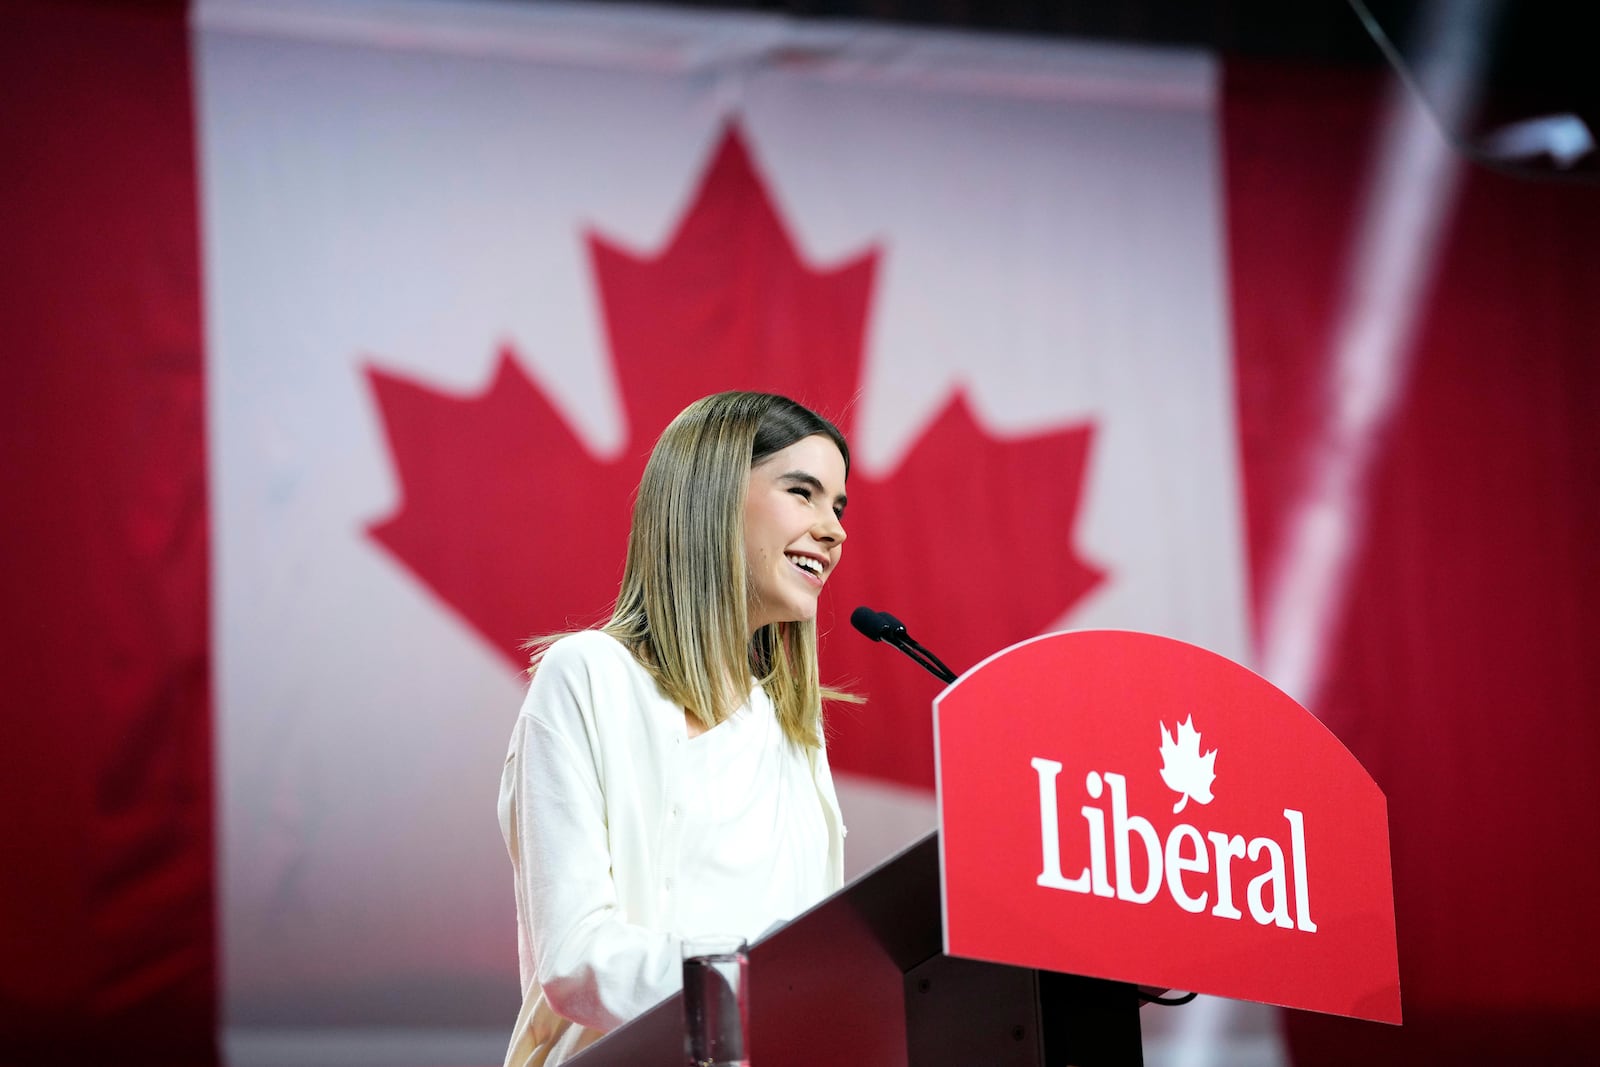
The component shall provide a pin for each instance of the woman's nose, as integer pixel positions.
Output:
(830, 530)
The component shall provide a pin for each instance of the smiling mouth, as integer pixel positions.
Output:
(811, 568)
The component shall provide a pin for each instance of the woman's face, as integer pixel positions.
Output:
(792, 530)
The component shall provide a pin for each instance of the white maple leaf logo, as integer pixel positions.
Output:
(1183, 768)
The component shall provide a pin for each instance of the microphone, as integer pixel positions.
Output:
(877, 625)
(881, 626)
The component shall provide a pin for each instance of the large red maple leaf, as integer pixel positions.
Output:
(510, 520)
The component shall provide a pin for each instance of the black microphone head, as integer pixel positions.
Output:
(881, 626)
(869, 622)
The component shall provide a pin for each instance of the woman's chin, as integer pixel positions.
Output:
(798, 610)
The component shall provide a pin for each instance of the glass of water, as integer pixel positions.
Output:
(716, 996)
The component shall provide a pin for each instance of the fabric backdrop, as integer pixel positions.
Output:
(460, 261)
(459, 276)
(106, 862)
(1463, 676)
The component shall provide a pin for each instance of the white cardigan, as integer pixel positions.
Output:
(590, 774)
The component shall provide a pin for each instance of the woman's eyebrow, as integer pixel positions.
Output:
(816, 485)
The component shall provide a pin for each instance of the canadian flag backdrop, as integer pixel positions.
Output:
(506, 251)
(338, 335)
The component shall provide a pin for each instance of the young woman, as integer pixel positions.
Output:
(667, 775)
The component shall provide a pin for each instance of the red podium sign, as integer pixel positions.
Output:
(1126, 806)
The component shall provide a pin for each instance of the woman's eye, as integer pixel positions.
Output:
(801, 491)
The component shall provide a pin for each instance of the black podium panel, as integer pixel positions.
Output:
(827, 987)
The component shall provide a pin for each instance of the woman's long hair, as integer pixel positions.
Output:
(681, 610)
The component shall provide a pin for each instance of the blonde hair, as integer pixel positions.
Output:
(682, 608)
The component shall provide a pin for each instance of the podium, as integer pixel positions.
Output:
(862, 979)
(1116, 810)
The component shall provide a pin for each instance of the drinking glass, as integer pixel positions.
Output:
(716, 1001)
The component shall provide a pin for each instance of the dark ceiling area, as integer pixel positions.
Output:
(1533, 82)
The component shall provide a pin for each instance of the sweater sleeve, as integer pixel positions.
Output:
(594, 966)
